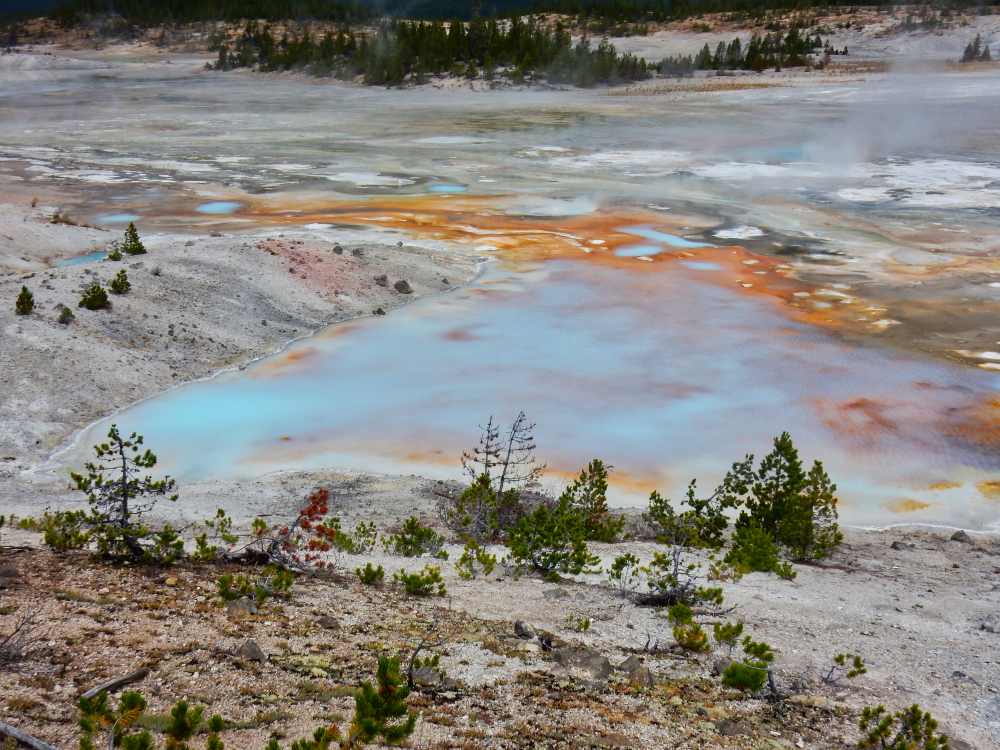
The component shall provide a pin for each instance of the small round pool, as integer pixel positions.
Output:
(118, 218)
(219, 207)
(446, 188)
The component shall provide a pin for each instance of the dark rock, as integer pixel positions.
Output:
(426, 676)
(731, 728)
(402, 287)
(338, 250)
(9, 571)
(592, 662)
(291, 270)
(379, 311)
(556, 594)
(250, 651)
(445, 281)
(330, 623)
(903, 546)
(523, 630)
(961, 536)
(399, 244)
(240, 608)
(382, 280)
(642, 677)
(581, 598)
(630, 664)
(719, 666)
(358, 252)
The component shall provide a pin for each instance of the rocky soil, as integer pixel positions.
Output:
(919, 606)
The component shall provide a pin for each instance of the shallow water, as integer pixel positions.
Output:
(637, 342)
(78, 259)
(656, 372)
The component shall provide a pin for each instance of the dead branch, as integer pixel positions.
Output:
(111, 685)
(25, 739)
(21, 641)
(425, 643)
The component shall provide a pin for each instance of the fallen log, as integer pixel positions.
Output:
(117, 682)
(25, 739)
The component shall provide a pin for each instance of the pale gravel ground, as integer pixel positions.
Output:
(914, 617)
(215, 291)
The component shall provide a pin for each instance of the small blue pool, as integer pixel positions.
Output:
(701, 265)
(634, 251)
(653, 234)
(77, 260)
(447, 188)
(219, 207)
(118, 218)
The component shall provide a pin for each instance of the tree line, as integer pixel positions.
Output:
(770, 50)
(485, 48)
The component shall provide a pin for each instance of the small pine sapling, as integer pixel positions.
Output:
(97, 717)
(588, 496)
(120, 283)
(116, 253)
(425, 583)
(273, 583)
(626, 573)
(365, 538)
(222, 529)
(844, 666)
(579, 624)
(182, 725)
(414, 540)
(911, 729)
(754, 550)
(216, 726)
(66, 316)
(131, 244)
(25, 302)
(727, 635)
(551, 541)
(688, 634)
(371, 576)
(750, 674)
(378, 711)
(94, 298)
(475, 560)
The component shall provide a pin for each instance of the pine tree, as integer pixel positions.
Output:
(588, 495)
(131, 244)
(94, 298)
(112, 492)
(798, 509)
(986, 56)
(377, 709)
(182, 725)
(120, 283)
(25, 302)
(973, 50)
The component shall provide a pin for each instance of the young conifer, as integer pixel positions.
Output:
(25, 302)
(94, 298)
(132, 245)
(120, 283)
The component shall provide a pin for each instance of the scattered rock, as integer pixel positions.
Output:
(329, 623)
(263, 322)
(630, 664)
(426, 676)
(250, 651)
(596, 665)
(903, 546)
(338, 250)
(382, 280)
(399, 244)
(240, 608)
(445, 281)
(171, 581)
(291, 270)
(642, 677)
(402, 287)
(523, 630)
(189, 243)
(720, 665)
(731, 728)
(961, 536)
(379, 311)
(9, 571)
(358, 252)
(556, 594)
(531, 648)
